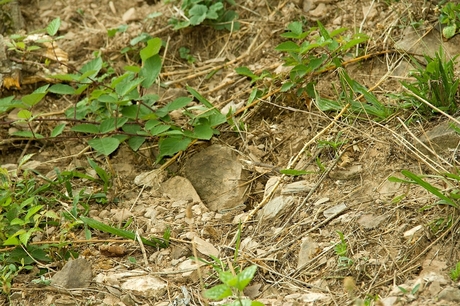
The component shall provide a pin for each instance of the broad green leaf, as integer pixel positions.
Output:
(90, 70)
(27, 134)
(105, 146)
(86, 128)
(288, 46)
(62, 89)
(8, 103)
(53, 27)
(198, 14)
(228, 278)
(24, 114)
(157, 130)
(286, 86)
(13, 240)
(109, 98)
(108, 125)
(179, 103)
(213, 10)
(245, 277)
(124, 88)
(36, 96)
(135, 69)
(32, 211)
(136, 142)
(218, 292)
(171, 145)
(150, 70)
(151, 124)
(152, 48)
(203, 131)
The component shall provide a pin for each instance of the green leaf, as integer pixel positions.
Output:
(24, 114)
(435, 191)
(293, 172)
(213, 10)
(58, 130)
(32, 211)
(449, 31)
(203, 131)
(157, 130)
(171, 145)
(103, 175)
(90, 70)
(288, 46)
(105, 146)
(287, 86)
(27, 134)
(8, 103)
(121, 233)
(86, 128)
(108, 125)
(136, 142)
(36, 96)
(198, 14)
(228, 278)
(218, 292)
(179, 103)
(245, 277)
(152, 48)
(62, 89)
(150, 70)
(53, 27)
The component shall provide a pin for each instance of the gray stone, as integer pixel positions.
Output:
(218, 177)
(180, 188)
(75, 274)
(441, 138)
(276, 206)
(450, 294)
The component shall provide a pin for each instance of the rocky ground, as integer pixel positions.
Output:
(291, 226)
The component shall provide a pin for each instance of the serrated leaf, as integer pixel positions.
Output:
(105, 146)
(58, 130)
(108, 125)
(53, 26)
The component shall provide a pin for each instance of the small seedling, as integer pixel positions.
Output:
(184, 53)
(212, 12)
(455, 272)
(341, 250)
(449, 18)
(233, 285)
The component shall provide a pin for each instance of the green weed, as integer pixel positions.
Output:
(455, 272)
(449, 17)
(435, 83)
(211, 12)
